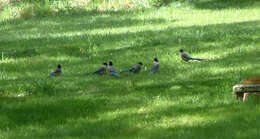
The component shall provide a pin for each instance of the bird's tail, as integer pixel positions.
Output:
(124, 71)
(152, 72)
(198, 59)
(115, 74)
(52, 74)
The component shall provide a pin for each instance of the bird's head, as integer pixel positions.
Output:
(110, 63)
(140, 63)
(181, 50)
(155, 60)
(59, 66)
(105, 63)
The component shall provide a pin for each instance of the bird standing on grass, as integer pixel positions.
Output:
(186, 57)
(102, 70)
(155, 66)
(112, 70)
(57, 71)
(137, 68)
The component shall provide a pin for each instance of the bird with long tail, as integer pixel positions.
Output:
(101, 71)
(136, 69)
(56, 72)
(111, 69)
(186, 57)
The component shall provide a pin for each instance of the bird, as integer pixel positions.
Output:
(137, 68)
(112, 70)
(56, 72)
(102, 70)
(186, 57)
(155, 66)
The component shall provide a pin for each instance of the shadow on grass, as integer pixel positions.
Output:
(78, 118)
(225, 4)
(43, 32)
(216, 4)
(99, 46)
(77, 17)
(208, 122)
(144, 46)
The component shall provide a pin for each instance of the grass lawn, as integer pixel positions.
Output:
(182, 100)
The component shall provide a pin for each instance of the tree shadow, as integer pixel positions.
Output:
(165, 39)
(230, 124)
(215, 4)
(207, 120)
(53, 113)
(225, 4)
(49, 29)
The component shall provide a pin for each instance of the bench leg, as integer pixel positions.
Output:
(239, 95)
(245, 96)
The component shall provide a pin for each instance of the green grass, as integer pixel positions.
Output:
(183, 100)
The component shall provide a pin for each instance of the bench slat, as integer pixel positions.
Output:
(239, 88)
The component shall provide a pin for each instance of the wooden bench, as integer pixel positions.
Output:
(247, 87)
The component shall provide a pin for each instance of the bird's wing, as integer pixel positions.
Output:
(114, 72)
(102, 69)
(185, 56)
(155, 68)
(54, 73)
(133, 69)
